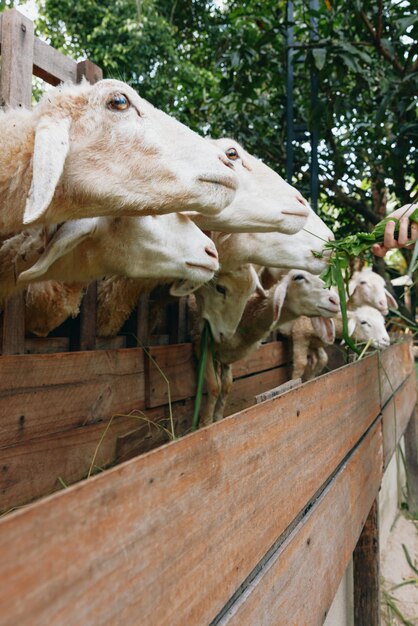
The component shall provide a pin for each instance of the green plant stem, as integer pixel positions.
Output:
(341, 292)
(201, 374)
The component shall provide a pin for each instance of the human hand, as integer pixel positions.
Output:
(389, 241)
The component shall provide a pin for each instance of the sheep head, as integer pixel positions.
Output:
(103, 150)
(368, 287)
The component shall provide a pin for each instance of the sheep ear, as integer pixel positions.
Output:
(183, 287)
(392, 304)
(351, 326)
(258, 287)
(52, 142)
(324, 327)
(68, 237)
(279, 298)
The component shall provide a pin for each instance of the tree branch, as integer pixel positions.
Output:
(350, 202)
(379, 46)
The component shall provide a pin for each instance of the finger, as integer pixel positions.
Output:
(389, 240)
(403, 231)
(414, 231)
(378, 250)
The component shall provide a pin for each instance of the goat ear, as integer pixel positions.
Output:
(351, 326)
(68, 237)
(258, 287)
(279, 297)
(183, 287)
(324, 327)
(392, 304)
(52, 142)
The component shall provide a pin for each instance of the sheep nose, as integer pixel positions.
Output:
(302, 200)
(334, 300)
(212, 252)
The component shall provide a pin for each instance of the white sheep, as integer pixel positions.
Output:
(368, 287)
(48, 304)
(143, 247)
(88, 150)
(365, 323)
(309, 339)
(271, 204)
(298, 292)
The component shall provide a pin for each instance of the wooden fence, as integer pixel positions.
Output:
(250, 521)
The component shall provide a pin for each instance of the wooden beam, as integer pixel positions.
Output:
(17, 38)
(215, 487)
(411, 459)
(367, 572)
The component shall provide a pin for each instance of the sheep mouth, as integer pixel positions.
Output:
(223, 181)
(210, 269)
(334, 309)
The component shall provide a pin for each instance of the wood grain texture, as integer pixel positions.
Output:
(150, 540)
(177, 365)
(396, 416)
(43, 394)
(299, 583)
(411, 461)
(17, 37)
(244, 390)
(266, 357)
(366, 563)
(51, 65)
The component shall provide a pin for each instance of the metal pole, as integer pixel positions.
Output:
(289, 91)
(314, 5)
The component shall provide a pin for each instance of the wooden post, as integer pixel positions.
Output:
(411, 461)
(142, 330)
(367, 572)
(88, 311)
(17, 39)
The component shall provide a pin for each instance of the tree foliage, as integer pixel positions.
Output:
(221, 69)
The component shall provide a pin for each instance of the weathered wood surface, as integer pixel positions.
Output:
(277, 391)
(51, 65)
(17, 37)
(168, 515)
(244, 390)
(366, 562)
(298, 584)
(269, 355)
(411, 461)
(396, 415)
(43, 394)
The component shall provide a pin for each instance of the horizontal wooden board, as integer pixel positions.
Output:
(396, 416)
(43, 394)
(175, 364)
(150, 540)
(298, 584)
(244, 390)
(267, 356)
(51, 65)
(394, 365)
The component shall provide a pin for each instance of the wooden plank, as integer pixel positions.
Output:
(164, 522)
(395, 365)
(88, 318)
(411, 462)
(17, 36)
(396, 416)
(13, 332)
(44, 394)
(175, 364)
(277, 391)
(142, 327)
(299, 582)
(36, 468)
(89, 70)
(266, 357)
(244, 390)
(51, 65)
(48, 345)
(367, 572)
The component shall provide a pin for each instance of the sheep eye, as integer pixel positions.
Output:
(364, 323)
(221, 289)
(362, 282)
(232, 154)
(299, 277)
(119, 102)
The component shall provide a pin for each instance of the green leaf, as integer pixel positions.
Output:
(319, 55)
